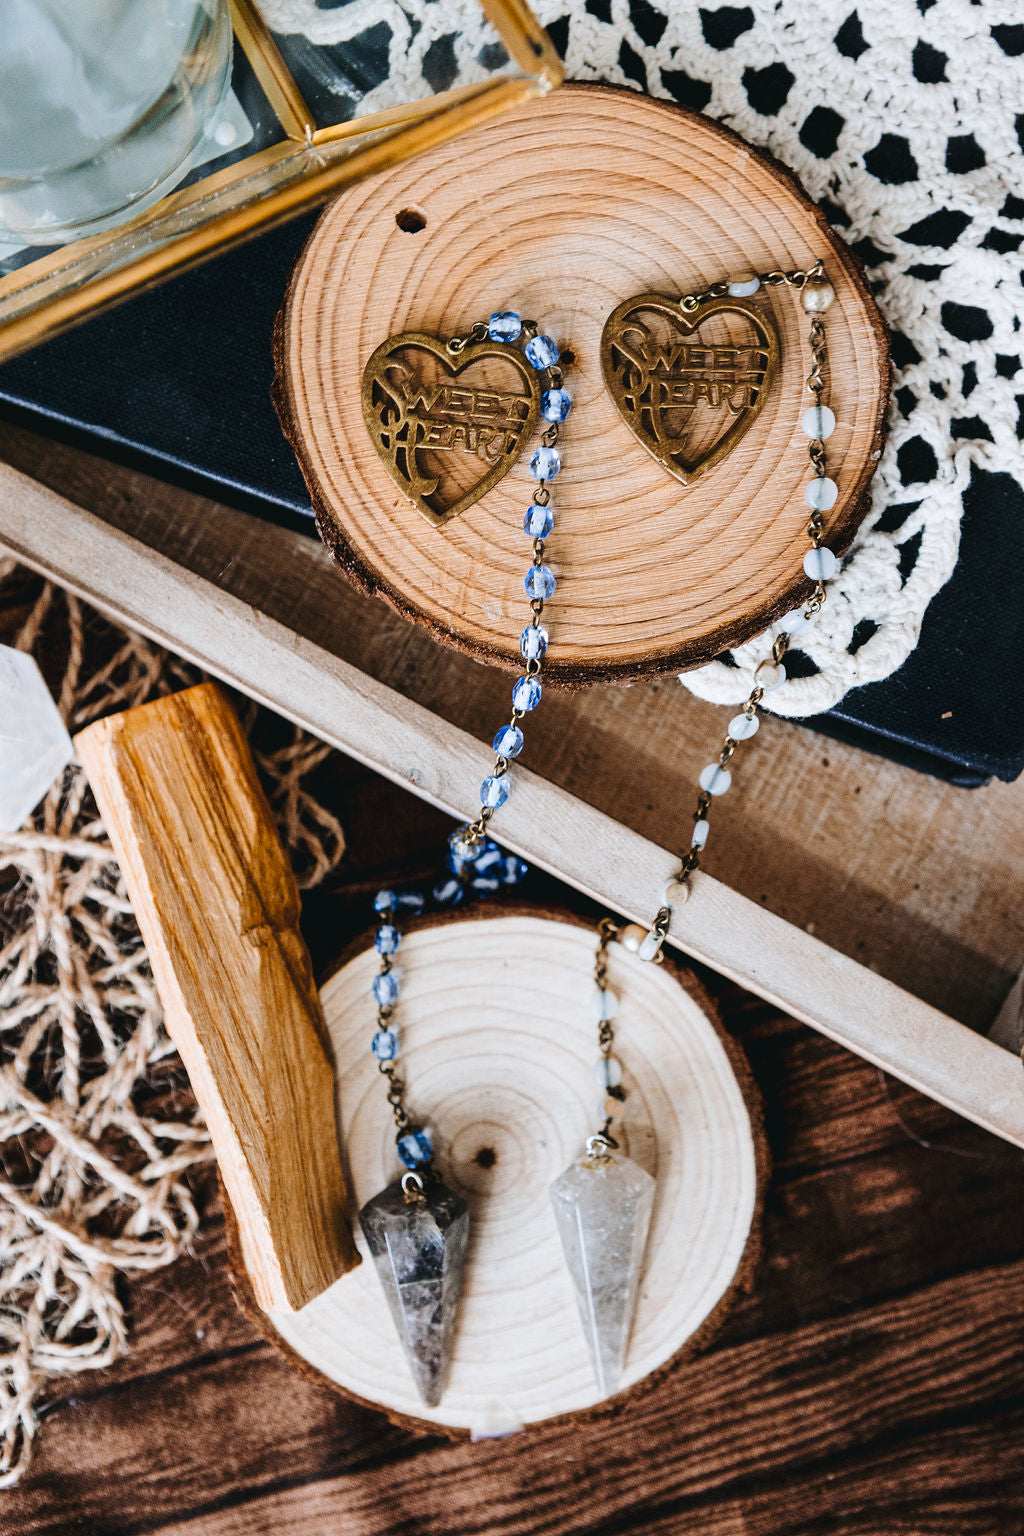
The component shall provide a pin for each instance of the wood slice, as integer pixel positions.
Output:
(498, 1053)
(561, 211)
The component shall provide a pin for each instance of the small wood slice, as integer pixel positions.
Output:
(561, 211)
(498, 1052)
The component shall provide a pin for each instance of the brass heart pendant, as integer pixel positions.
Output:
(688, 400)
(447, 420)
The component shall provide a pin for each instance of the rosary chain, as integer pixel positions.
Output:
(774, 279)
(475, 831)
(387, 1069)
(470, 849)
(603, 1142)
(767, 674)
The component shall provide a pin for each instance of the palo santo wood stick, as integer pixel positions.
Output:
(218, 907)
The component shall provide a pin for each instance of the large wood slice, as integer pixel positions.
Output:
(498, 1048)
(561, 211)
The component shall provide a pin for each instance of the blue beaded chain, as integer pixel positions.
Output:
(555, 404)
(477, 865)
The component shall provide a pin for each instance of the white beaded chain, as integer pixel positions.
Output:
(476, 864)
(820, 564)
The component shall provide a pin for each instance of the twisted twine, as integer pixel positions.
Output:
(99, 1131)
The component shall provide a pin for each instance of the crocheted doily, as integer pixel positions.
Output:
(900, 119)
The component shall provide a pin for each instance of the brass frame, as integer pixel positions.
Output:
(74, 281)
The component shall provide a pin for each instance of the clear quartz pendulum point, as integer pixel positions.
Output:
(603, 1206)
(417, 1233)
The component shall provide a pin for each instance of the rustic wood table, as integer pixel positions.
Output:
(869, 1383)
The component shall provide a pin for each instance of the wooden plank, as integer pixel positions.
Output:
(837, 1141)
(828, 1396)
(952, 1481)
(858, 1222)
(441, 764)
(912, 876)
(838, 1173)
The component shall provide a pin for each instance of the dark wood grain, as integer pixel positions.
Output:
(870, 1382)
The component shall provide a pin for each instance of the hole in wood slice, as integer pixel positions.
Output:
(562, 211)
(411, 220)
(498, 1049)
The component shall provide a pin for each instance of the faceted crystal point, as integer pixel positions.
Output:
(34, 744)
(419, 1248)
(603, 1210)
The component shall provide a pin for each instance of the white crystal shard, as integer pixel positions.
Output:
(34, 744)
(603, 1210)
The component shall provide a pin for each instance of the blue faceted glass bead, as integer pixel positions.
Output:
(489, 859)
(533, 642)
(526, 694)
(540, 581)
(383, 901)
(456, 865)
(545, 464)
(411, 901)
(387, 938)
(513, 869)
(538, 522)
(415, 1148)
(385, 1045)
(448, 893)
(509, 741)
(485, 885)
(385, 988)
(504, 325)
(463, 846)
(542, 351)
(494, 790)
(555, 405)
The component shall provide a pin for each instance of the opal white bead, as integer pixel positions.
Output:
(650, 947)
(794, 622)
(821, 494)
(715, 779)
(818, 421)
(820, 564)
(674, 892)
(607, 1072)
(769, 675)
(743, 285)
(816, 296)
(742, 727)
(603, 1003)
(700, 833)
(609, 1108)
(631, 937)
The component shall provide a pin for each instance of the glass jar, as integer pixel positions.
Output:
(102, 105)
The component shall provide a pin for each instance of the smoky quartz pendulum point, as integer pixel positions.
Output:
(602, 1205)
(417, 1230)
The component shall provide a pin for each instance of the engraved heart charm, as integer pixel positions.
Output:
(689, 398)
(448, 420)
